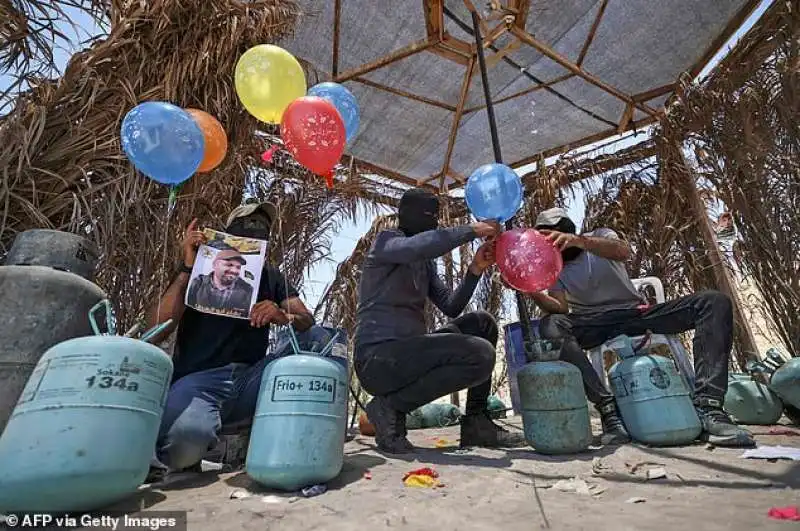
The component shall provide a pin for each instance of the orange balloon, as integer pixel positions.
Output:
(216, 140)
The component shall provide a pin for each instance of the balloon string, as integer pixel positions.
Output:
(173, 199)
(173, 194)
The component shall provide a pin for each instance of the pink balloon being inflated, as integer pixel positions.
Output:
(527, 260)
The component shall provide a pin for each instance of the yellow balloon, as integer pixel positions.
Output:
(268, 79)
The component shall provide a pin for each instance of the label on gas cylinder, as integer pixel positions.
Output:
(79, 376)
(303, 388)
(649, 382)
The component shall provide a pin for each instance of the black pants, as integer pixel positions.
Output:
(412, 372)
(709, 314)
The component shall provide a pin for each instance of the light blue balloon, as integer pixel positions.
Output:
(163, 141)
(345, 103)
(494, 191)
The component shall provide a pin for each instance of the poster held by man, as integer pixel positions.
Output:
(225, 274)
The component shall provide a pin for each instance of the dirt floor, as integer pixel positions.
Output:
(708, 489)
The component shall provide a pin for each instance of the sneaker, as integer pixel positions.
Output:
(155, 474)
(158, 473)
(718, 428)
(614, 431)
(479, 430)
(386, 422)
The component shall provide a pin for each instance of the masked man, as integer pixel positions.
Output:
(396, 360)
(594, 300)
(219, 360)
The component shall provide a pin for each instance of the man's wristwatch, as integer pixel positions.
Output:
(183, 268)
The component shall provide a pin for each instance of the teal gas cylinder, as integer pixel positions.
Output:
(750, 402)
(555, 414)
(298, 432)
(652, 397)
(83, 431)
(785, 382)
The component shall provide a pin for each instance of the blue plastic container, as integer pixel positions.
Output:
(83, 431)
(515, 357)
(652, 397)
(555, 414)
(298, 432)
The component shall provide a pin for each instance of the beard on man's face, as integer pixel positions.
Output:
(226, 272)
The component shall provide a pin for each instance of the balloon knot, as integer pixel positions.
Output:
(267, 155)
(329, 179)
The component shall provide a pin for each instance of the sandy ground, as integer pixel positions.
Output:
(709, 489)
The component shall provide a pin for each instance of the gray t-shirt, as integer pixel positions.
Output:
(594, 284)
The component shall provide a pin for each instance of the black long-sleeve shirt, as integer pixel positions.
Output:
(398, 275)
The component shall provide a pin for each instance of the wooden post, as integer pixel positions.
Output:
(721, 274)
(455, 400)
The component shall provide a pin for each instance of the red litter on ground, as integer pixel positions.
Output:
(784, 513)
(783, 431)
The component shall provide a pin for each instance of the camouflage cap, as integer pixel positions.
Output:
(245, 210)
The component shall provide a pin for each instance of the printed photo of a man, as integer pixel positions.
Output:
(222, 290)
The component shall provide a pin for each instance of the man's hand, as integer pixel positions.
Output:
(191, 241)
(563, 240)
(267, 312)
(483, 259)
(551, 302)
(487, 229)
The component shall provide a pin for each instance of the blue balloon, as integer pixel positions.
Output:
(163, 141)
(345, 103)
(494, 191)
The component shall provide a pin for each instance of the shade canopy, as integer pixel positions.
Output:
(562, 73)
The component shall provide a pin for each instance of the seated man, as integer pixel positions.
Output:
(219, 360)
(396, 360)
(594, 301)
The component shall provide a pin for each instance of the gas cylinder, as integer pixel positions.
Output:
(82, 434)
(750, 402)
(774, 355)
(555, 414)
(298, 432)
(785, 382)
(47, 291)
(652, 397)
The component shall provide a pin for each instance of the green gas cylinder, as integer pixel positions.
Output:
(750, 402)
(555, 414)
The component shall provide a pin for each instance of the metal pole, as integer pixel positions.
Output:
(522, 310)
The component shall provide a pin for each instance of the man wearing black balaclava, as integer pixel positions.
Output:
(396, 359)
(594, 300)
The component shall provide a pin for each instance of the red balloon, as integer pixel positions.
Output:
(313, 132)
(527, 260)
